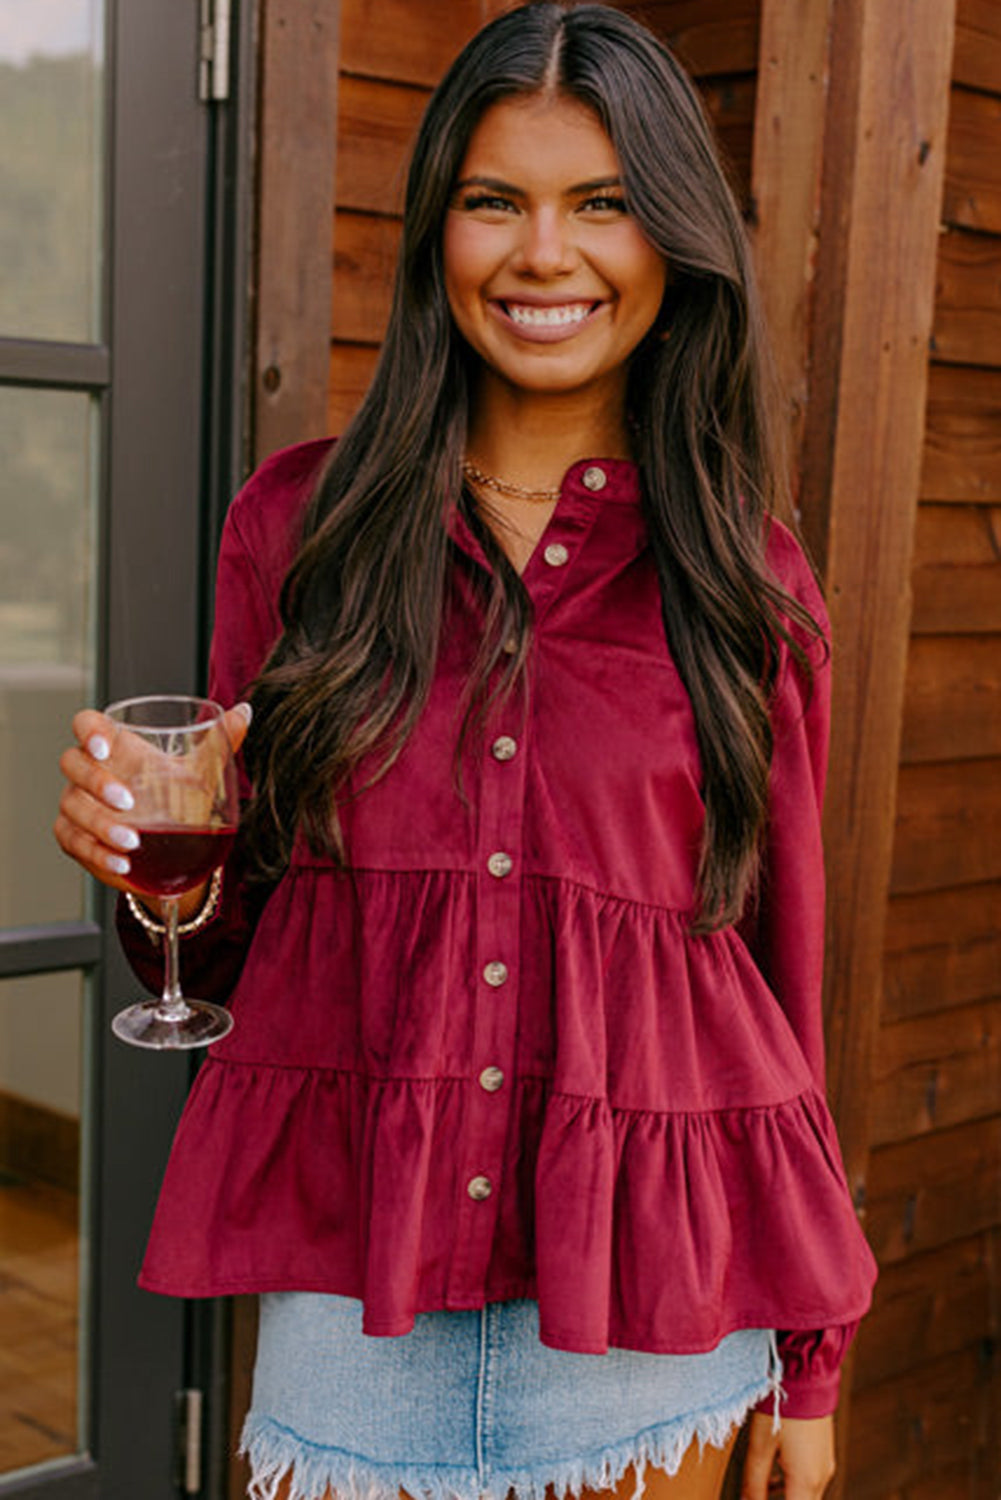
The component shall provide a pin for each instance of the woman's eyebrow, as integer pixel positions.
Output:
(495, 185)
(596, 184)
(498, 185)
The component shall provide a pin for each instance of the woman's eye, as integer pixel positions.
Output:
(605, 203)
(491, 202)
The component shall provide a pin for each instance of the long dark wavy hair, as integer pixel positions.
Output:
(363, 604)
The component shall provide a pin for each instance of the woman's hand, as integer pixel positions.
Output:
(805, 1451)
(93, 822)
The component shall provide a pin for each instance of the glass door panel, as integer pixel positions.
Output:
(48, 585)
(52, 233)
(51, 159)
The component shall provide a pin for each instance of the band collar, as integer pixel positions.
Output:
(587, 489)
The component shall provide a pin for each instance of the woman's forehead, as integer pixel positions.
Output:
(539, 134)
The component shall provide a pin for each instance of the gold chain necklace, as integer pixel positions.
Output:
(503, 487)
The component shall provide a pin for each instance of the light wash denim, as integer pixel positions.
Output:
(472, 1404)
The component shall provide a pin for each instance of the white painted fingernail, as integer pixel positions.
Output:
(116, 864)
(118, 796)
(98, 747)
(244, 709)
(124, 838)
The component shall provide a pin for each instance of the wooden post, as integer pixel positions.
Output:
(885, 220)
(880, 205)
(298, 135)
(785, 182)
(848, 216)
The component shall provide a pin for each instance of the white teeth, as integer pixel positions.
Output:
(548, 317)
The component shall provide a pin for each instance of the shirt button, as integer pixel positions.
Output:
(510, 645)
(495, 973)
(479, 1188)
(491, 1079)
(504, 747)
(556, 555)
(595, 479)
(500, 865)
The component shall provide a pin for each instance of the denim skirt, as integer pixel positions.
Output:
(471, 1404)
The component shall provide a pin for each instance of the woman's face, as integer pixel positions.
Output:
(550, 279)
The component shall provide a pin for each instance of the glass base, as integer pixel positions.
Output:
(147, 1025)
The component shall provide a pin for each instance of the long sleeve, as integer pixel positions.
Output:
(786, 933)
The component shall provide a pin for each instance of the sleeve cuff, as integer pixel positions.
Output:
(811, 1371)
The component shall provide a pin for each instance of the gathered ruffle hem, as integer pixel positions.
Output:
(330, 1144)
(667, 1269)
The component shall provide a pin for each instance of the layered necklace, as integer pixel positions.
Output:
(486, 481)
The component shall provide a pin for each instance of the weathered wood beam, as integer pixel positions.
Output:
(298, 137)
(882, 191)
(785, 183)
(880, 203)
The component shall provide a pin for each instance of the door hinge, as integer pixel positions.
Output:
(189, 1441)
(213, 52)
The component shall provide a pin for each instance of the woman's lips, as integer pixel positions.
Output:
(545, 323)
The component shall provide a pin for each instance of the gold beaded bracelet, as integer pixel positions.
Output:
(194, 924)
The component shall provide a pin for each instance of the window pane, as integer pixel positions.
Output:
(51, 153)
(41, 1321)
(47, 588)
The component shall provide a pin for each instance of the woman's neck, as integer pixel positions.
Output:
(531, 439)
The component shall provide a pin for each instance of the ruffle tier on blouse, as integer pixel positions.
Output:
(653, 1196)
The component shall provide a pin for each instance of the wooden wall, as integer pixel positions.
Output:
(717, 40)
(392, 54)
(926, 1408)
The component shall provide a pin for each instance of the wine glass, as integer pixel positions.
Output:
(175, 757)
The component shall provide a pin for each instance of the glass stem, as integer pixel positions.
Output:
(172, 1002)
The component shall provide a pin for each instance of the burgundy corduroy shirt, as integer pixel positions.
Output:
(490, 1059)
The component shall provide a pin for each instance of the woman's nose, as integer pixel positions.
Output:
(547, 247)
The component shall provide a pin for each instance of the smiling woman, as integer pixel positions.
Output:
(550, 279)
(521, 1130)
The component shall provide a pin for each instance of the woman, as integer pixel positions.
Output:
(521, 1132)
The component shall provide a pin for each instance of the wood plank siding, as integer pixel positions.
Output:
(926, 1408)
(392, 54)
(298, 116)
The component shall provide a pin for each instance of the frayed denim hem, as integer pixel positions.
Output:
(275, 1452)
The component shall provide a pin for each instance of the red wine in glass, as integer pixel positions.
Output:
(175, 757)
(173, 858)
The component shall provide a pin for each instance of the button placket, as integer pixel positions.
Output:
(551, 566)
(489, 1098)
